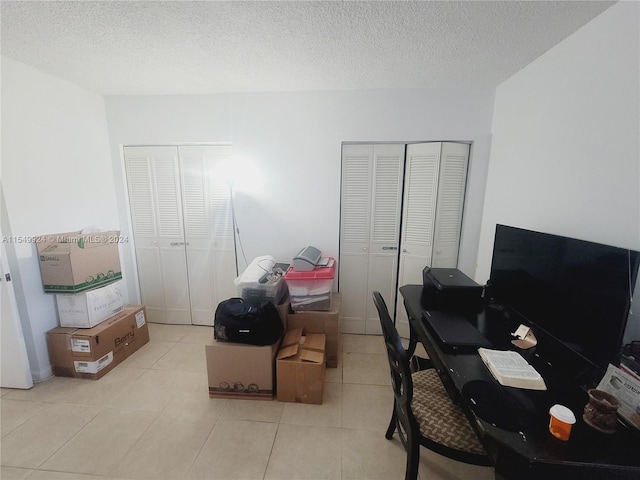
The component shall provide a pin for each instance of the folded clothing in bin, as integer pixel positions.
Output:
(311, 290)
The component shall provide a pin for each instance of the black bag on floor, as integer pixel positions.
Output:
(241, 322)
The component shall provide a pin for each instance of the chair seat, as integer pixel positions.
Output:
(439, 418)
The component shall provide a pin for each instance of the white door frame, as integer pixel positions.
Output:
(15, 369)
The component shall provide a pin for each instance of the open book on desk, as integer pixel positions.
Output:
(511, 369)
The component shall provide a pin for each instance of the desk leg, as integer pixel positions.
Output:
(412, 342)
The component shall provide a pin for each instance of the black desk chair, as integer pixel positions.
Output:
(423, 413)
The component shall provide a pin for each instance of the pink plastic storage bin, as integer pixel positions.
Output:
(311, 290)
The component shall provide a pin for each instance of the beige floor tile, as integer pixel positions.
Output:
(33, 442)
(367, 456)
(198, 334)
(367, 368)
(13, 473)
(329, 414)
(366, 407)
(193, 397)
(235, 450)
(100, 446)
(436, 467)
(254, 410)
(167, 449)
(363, 344)
(152, 418)
(15, 412)
(303, 452)
(183, 357)
(48, 390)
(148, 354)
(420, 351)
(334, 375)
(50, 475)
(151, 391)
(168, 333)
(103, 390)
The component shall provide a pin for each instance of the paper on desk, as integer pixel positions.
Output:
(627, 390)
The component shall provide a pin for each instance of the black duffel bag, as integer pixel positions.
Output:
(241, 322)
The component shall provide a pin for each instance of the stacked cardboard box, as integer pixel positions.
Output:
(326, 322)
(96, 330)
(239, 370)
(83, 270)
(300, 367)
(74, 262)
(92, 352)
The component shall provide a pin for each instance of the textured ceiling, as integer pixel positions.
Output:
(184, 47)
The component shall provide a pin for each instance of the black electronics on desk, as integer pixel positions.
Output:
(450, 289)
(576, 291)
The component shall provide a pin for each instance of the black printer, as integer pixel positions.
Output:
(450, 289)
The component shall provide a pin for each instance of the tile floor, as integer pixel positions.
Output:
(152, 418)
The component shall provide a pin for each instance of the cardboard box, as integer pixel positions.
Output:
(88, 309)
(93, 352)
(283, 309)
(300, 367)
(239, 370)
(327, 322)
(72, 262)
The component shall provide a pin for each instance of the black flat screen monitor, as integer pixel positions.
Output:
(577, 291)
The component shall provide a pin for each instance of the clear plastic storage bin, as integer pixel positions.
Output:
(258, 284)
(273, 290)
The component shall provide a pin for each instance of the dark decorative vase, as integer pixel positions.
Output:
(601, 413)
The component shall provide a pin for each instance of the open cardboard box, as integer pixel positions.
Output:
(300, 367)
(318, 321)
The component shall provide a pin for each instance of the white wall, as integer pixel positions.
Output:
(289, 145)
(565, 156)
(56, 176)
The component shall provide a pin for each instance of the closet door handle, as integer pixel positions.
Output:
(389, 248)
(177, 244)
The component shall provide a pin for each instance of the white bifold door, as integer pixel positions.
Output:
(183, 233)
(401, 210)
(369, 231)
(434, 191)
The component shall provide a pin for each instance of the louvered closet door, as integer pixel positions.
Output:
(208, 230)
(451, 187)
(156, 214)
(370, 216)
(419, 209)
(388, 162)
(353, 265)
(435, 181)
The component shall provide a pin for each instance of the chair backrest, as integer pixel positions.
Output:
(401, 380)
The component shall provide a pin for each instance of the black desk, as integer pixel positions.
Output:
(532, 452)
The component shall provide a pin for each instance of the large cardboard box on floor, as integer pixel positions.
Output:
(92, 352)
(327, 322)
(74, 262)
(300, 367)
(88, 309)
(239, 370)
